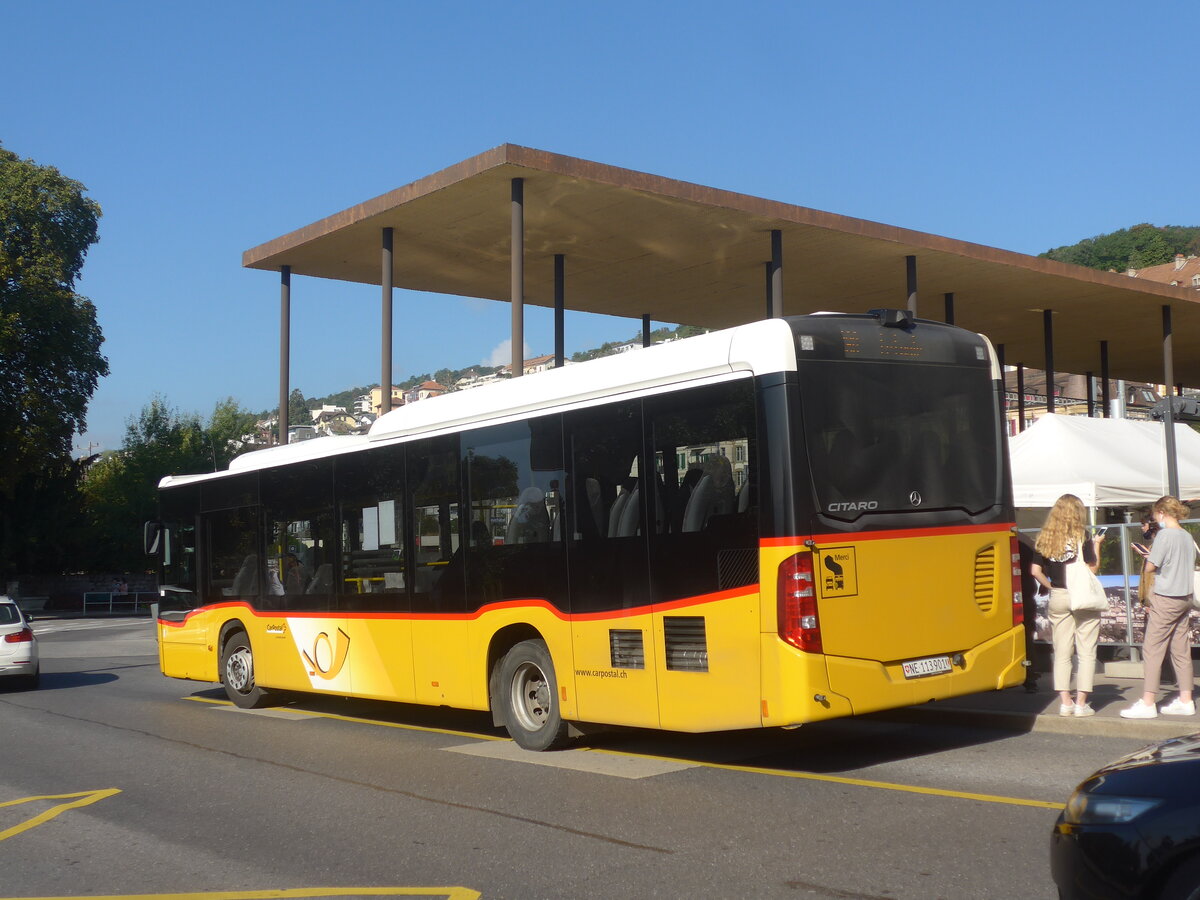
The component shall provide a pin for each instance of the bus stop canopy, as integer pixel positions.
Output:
(1104, 462)
(639, 245)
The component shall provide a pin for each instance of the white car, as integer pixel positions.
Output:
(18, 646)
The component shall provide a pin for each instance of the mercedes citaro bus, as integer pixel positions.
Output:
(786, 521)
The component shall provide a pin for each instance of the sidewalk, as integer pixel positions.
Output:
(1015, 709)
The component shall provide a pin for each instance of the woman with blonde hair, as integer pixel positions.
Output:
(1062, 539)
(1171, 560)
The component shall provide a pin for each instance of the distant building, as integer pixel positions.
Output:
(424, 391)
(1184, 272)
(376, 407)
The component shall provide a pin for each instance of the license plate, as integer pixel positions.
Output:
(919, 668)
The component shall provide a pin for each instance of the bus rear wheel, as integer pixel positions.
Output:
(529, 697)
(237, 673)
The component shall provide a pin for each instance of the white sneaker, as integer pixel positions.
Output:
(1084, 709)
(1140, 710)
(1178, 708)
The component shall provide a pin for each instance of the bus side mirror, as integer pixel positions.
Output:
(152, 533)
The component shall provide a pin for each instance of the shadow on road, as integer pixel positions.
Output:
(828, 747)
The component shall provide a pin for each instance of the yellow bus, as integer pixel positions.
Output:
(786, 521)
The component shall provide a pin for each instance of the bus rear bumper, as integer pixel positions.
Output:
(871, 685)
(800, 687)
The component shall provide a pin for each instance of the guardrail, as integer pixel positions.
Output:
(113, 602)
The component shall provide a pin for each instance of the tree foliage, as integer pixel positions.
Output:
(120, 490)
(50, 359)
(1137, 247)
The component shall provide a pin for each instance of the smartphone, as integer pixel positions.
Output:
(1139, 548)
(1101, 531)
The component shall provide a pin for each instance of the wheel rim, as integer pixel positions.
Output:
(239, 670)
(531, 697)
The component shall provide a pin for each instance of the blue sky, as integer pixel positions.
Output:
(206, 129)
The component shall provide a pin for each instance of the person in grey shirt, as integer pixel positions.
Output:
(1172, 560)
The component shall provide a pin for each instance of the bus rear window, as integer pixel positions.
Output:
(883, 437)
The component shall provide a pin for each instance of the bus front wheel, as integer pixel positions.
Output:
(529, 696)
(237, 673)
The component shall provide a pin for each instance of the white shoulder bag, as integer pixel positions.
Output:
(1084, 587)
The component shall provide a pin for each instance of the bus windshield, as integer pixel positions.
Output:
(888, 438)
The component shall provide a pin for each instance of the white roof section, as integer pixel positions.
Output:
(317, 448)
(754, 349)
(1104, 462)
(757, 348)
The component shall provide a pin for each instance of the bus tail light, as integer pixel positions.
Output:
(797, 602)
(1018, 606)
(24, 636)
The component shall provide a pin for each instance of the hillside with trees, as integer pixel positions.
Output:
(1137, 247)
(447, 377)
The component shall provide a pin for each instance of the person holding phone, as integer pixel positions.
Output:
(1171, 561)
(1062, 540)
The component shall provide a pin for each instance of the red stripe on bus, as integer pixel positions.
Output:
(895, 534)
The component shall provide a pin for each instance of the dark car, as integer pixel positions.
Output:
(1132, 829)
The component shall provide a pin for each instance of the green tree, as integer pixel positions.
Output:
(298, 409)
(50, 360)
(1137, 247)
(120, 490)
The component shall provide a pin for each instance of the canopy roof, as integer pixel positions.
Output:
(638, 244)
(1104, 462)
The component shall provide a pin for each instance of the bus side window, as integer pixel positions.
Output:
(297, 505)
(706, 536)
(603, 508)
(433, 489)
(374, 533)
(232, 564)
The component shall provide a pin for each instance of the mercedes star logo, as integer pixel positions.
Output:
(915, 498)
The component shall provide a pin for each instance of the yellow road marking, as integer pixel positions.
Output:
(863, 782)
(82, 798)
(450, 893)
(730, 767)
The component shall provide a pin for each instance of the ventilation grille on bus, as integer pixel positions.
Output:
(687, 645)
(985, 578)
(625, 648)
(736, 568)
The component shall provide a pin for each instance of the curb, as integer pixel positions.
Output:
(1098, 726)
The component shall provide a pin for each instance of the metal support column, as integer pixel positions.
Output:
(1020, 397)
(385, 350)
(1168, 416)
(767, 292)
(560, 295)
(1048, 338)
(285, 347)
(776, 272)
(950, 308)
(1091, 395)
(910, 267)
(646, 330)
(1105, 397)
(517, 263)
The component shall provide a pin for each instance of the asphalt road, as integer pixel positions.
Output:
(116, 781)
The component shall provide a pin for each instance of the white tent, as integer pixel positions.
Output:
(1104, 462)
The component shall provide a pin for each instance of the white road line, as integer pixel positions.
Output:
(266, 713)
(578, 760)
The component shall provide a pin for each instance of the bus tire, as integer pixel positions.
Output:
(237, 673)
(529, 697)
